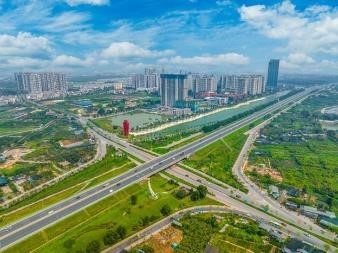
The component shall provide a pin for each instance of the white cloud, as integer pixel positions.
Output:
(223, 2)
(24, 44)
(68, 60)
(90, 2)
(300, 58)
(229, 58)
(66, 21)
(127, 49)
(308, 32)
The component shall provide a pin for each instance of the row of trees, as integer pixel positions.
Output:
(218, 124)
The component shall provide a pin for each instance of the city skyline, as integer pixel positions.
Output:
(75, 36)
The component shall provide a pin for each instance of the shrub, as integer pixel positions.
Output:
(93, 247)
(165, 210)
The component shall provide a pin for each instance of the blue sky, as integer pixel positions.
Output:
(125, 36)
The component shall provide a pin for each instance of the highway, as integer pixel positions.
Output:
(34, 223)
(146, 233)
(222, 195)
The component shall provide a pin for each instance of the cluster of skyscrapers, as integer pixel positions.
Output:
(147, 81)
(242, 84)
(176, 87)
(41, 85)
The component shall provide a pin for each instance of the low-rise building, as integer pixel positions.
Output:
(274, 191)
(3, 181)
(297, 246)
(329, 222)
(273, 231)
(314, 213)
(291, 205)
(176, 111)
(2, 158)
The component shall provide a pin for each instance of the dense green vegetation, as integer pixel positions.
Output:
(239, 235)
(46, 146)
(108, 221)
(218, 158)
(112, 165)
(20, 119)
(305, 154)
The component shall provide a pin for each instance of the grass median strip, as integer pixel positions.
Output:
(92, 223)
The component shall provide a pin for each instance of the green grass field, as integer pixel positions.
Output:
(109, 167)
(93, 222)
(218, 158)
(105, 123)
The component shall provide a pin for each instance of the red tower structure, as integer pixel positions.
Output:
(125, 126)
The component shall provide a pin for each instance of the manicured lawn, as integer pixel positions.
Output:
(109, 167)
(93, 222)
(104, 123)
(163, 150)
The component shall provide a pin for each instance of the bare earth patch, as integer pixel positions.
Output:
(161, 242)
(263, 170)
(13, 156)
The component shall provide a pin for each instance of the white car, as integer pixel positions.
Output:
(111, 190)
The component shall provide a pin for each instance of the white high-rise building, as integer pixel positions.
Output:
(202, 83)
(147, 81)
(242, 84)
(41, 85)
(173, 88)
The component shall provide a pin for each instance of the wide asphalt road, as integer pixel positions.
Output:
(34, 223)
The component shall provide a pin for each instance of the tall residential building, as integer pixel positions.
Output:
(272, 78)
(173, 88)
(147, 81)
(202, 83)
(242, 84)
(41, 85)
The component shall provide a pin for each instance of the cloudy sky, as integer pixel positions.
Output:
(114, 36)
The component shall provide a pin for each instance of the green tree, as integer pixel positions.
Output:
(68, 244)
(101, 111)
(331, 134)
(133, 199)
(147, 249)
(93, 247)
(111, 237)
(165, 210)
(195, 195)
(121, 231)
(202, 190)
(180, 193)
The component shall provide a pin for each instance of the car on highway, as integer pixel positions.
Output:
(51, 211)
(77, 197)
(111, 190)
